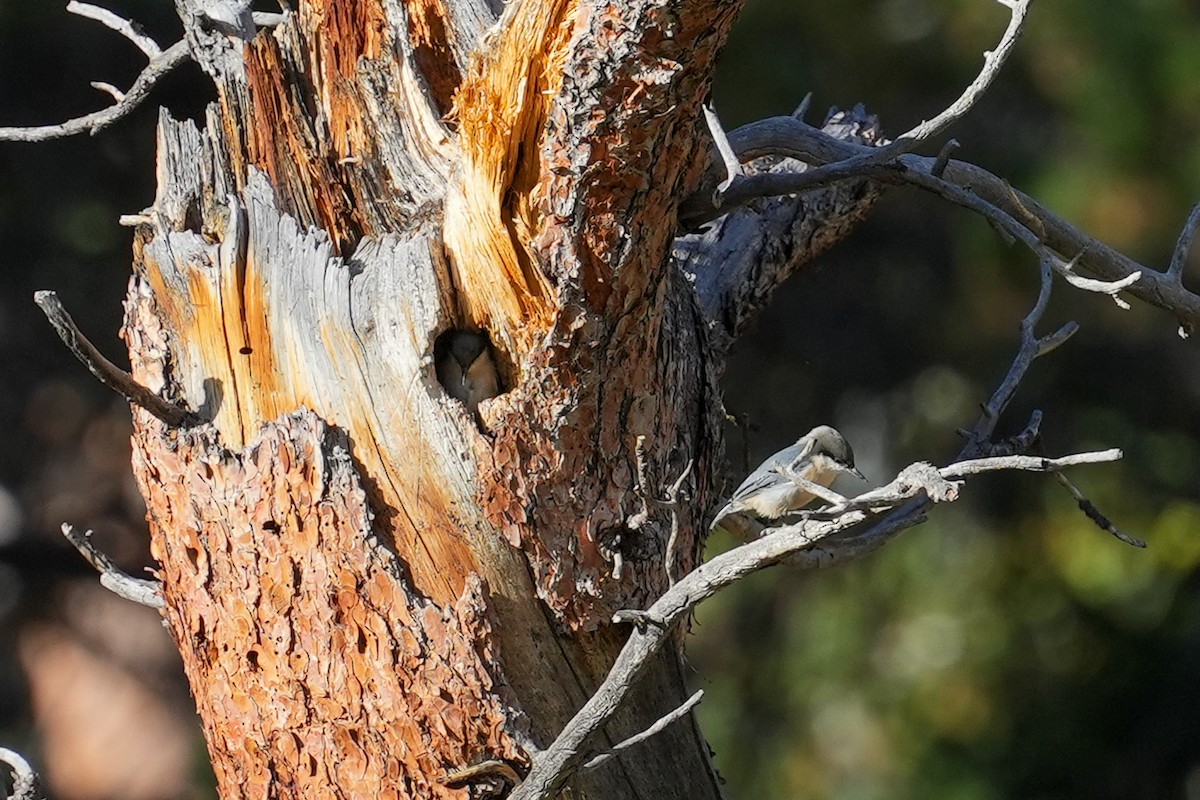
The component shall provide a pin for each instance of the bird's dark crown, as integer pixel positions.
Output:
(829, 442)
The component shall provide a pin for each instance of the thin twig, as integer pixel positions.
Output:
(1030, 348)
(1020, 443)
(943, 157)
(491, 773)
(802, 110)
(26, 785)
(670, 503)
(1110, 288)
(674, 505)
(109, 373)
(127, 28)
(993, 61)
(158, 67)
(1091, 512)
(658, 727)
(733, 167)
(139, 590)
(1184, 245)
(116, 94)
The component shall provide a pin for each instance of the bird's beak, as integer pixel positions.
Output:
(854, 471)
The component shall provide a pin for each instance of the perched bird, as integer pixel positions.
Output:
(465, 367)
(768, 494)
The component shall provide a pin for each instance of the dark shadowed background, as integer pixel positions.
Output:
(1007, 648)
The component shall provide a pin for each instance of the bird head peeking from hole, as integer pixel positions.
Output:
(466, 368)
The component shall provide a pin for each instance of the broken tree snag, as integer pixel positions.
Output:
(309, 244)
(246, 314)
(316, 665)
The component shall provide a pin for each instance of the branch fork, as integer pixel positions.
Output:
(846, 530)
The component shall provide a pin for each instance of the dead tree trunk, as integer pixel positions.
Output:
(373, 584)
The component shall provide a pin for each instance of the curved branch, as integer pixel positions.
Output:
(993, 61)
(139, 590)
(1184, 245)
(127, 28)
(962, 183)
(26, 785)
(158, 67)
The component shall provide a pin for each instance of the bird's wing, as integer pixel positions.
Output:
(766, 475)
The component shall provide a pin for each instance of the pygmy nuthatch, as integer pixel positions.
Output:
(465, 367)
(768, 494)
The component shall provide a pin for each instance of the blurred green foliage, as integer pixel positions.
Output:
(1008, 647)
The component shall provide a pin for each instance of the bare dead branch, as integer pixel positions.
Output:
(773, 184)
(943, 157)
(1031, 347)
(733, 167)
(127, 28)
(809, 543)
(977, 466)
(802, 110)
(673, 504)
(847, 530)
(139, 590)
(674, 716)
(107, 372)
(97, 121)
(1184, 245)
(1091, 512)
(1012, 212)
(26, 785)
(924, 477)
(112, 91)
(993, 61)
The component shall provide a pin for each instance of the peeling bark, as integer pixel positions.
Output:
(313, 660)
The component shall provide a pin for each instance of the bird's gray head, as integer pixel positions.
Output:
(826, 441)
(466, 346)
